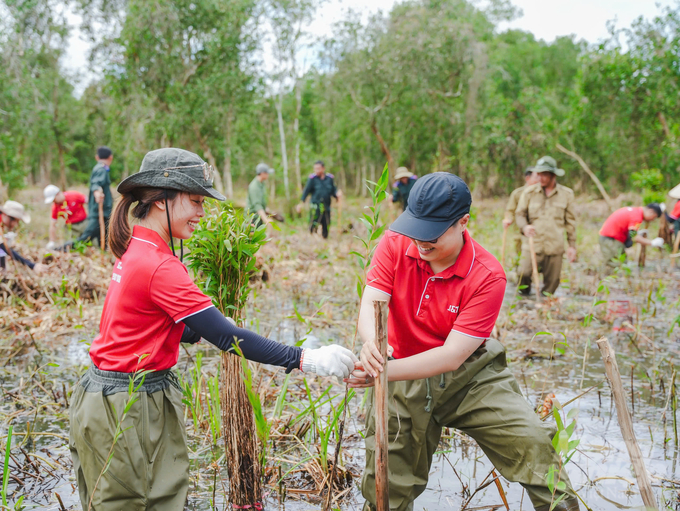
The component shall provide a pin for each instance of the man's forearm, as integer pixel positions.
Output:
(263, 216)
(429, 363)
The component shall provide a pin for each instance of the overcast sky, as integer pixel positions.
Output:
(547, 19)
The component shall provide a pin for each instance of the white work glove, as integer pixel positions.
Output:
(329, 361)
(657, 242)
(51, 245)
(10, 237)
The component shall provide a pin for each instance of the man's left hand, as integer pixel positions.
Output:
(571, 254)
(98, 196)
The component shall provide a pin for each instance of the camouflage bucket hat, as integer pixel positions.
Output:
(173, 169)
(548, 164)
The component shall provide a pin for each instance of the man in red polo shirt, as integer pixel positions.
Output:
(619, 232)
(68, 205)
(445, 292)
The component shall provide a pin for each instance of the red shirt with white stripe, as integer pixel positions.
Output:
(425, 307)
(149, 295)
(621, 222)
(72, 209)
(675, 214)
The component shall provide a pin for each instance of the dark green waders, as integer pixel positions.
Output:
(150, 466)
(483, 400)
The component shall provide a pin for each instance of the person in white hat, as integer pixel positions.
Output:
(69, 205)
(11, 213)
(405, 179)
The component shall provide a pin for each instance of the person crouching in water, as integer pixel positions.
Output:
(151, 306)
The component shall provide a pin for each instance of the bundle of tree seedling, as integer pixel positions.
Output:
(222, 255)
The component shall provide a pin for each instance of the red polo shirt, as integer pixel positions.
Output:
(425, 307)
(149, 295)
(675, 214)
(621, 222)
(71, 209)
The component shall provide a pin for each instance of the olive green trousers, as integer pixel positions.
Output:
(549, 265)
(150, 465)
(483, 400)
(612, 250)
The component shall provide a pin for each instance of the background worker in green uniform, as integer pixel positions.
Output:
(402, 187)
(256, 201)
(545, 213)
(100, 192)
(444, 293)
(530, 178)
(321, 186)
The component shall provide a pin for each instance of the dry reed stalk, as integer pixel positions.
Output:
(534, 268)
(626, 423)
(381, 437)
(240, 439)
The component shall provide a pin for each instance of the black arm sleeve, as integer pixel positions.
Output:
(189, 336)
(214, 328)
(18, 258)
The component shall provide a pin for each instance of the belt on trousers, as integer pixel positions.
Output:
(112, 382)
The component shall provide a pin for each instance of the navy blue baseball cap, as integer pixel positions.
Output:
(435, 203)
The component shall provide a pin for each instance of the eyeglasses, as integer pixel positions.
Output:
(208, 170)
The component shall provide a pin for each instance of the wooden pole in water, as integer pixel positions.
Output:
(381, 440)
(676, 245)
(626, 423)
(534, 268)
(102, 229)
(505, 235)
(643, 249)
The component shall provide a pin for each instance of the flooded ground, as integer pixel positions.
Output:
(310, 293)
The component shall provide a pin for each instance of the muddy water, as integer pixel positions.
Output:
(600, 470)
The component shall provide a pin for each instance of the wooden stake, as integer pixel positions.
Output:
(643, 250)
(505, 236)
(676, 246)
(381, 440)
(534, 268)
(626, 423)
(102, 229)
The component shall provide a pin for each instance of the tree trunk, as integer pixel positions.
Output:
(282, 136)
(207, 153)
(270, 156)
(62, 165)
(383, 145)
(342, 175)
(226, 172)
(296, 132)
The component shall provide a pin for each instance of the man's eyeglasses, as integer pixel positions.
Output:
(208, 170)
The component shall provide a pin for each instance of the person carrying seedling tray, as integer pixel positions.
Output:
(621, 230)
(151, 306)
(321, 187)
(444, 292)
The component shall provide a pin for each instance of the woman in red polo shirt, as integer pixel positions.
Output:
(151, 306)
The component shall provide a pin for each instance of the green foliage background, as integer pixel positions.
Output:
(433, 85)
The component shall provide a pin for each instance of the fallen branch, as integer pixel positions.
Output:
(590, 173)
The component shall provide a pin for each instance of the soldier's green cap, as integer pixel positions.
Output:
(548, 164)
(173, 169)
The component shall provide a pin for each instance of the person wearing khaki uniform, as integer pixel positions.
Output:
(530, 178)
(545, 212)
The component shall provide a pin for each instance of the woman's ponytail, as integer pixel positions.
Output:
(120, 231)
